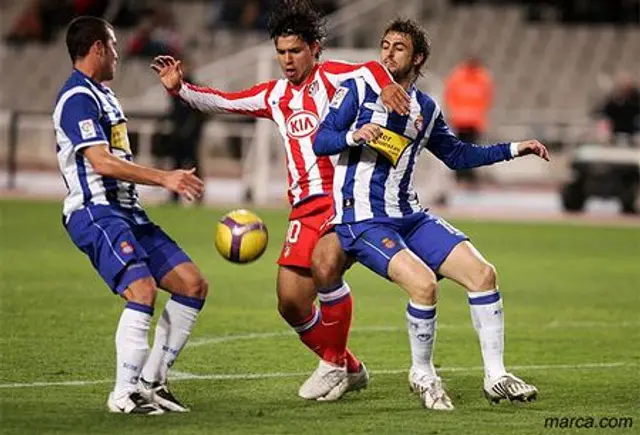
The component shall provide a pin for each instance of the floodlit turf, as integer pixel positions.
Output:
(572, 298)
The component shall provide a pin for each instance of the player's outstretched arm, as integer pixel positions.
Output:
(183, 182)
(251, 101)
(457, 154)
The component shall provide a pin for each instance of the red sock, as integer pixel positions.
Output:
(353, 365)
(312, 333)
(336, 308)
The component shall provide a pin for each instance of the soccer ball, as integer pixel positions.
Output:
(241, 236)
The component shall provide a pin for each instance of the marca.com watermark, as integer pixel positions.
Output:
(588, 422)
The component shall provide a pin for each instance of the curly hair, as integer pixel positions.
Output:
(297, 17)
(419, 38)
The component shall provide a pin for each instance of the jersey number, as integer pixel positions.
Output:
(294, 231)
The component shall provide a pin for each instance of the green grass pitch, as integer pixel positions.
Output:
(572, 298)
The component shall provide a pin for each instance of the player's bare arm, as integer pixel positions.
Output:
(183, 182)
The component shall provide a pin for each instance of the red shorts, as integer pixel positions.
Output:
(307, 223)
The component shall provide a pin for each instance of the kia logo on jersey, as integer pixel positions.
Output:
(302, 124)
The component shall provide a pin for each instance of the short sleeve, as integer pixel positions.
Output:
(80, 121)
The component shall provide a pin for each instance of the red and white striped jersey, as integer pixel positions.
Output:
(298, 111)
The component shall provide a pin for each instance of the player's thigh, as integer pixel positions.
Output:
(300, 239)
(112, 247)
(295, 288)
(371, 244)
(466, 266)
(432, 239)
(167, 261)
(328, 261)
(408, 271)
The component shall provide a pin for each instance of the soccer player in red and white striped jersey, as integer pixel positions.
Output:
(297, 103)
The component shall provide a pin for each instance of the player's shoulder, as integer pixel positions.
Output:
(426, 101)
(330, 65)
(76, 86)
(348, 88)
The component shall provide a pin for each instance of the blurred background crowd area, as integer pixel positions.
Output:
(565, 72)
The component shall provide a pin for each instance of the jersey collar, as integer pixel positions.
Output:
(92, 81)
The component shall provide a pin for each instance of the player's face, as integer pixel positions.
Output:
(396, 53)
(296, 57)
(109, 56)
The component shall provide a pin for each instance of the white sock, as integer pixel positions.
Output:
(488, 320)
(172, 332)
(421, 323)
(131, 346)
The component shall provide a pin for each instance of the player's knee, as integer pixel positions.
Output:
(203, 289)
(485, 278)
(424, 291)
(294, 310)
(143, 292)
(327, 271)
(327, 268)
(196, 287)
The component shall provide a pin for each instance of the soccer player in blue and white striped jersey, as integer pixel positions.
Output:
(105, 220)
(381, 223)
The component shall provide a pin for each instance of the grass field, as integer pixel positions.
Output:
(572, 298)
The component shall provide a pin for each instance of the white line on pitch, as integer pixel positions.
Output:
(250, 376)
(262, 335)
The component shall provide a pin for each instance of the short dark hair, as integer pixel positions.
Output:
(83, 32)
(419, 38)
(297, 17)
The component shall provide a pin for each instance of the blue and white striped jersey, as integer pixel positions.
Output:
(376, 179)
(87, 113)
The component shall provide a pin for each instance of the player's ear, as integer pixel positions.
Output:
(418, 59)
(98, 48)
(315, 49)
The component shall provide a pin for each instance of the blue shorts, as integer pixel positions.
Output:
(375, 241)
(123, 246)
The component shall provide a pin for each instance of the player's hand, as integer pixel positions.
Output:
(170, 72)
(533, 147)
(185, 183)
(396, 99)
(367, 133)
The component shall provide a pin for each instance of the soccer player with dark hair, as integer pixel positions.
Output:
(381, 223)
(104, 219)
(297, 103)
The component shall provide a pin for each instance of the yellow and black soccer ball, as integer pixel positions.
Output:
(241, 236)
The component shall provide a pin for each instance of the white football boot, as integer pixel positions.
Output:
(132, 403)
(159, 394)
(430, 390)
(324, 379)
(356, 381)
(509, 387)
